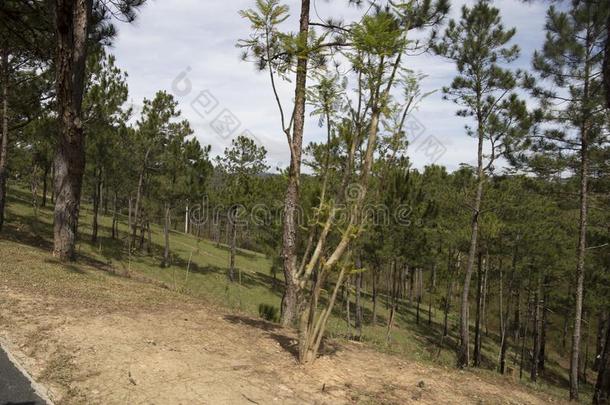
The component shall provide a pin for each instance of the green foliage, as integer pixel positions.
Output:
(269, 312)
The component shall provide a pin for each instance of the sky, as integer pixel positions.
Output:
(187, 47)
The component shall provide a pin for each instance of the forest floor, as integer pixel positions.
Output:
(92, 336)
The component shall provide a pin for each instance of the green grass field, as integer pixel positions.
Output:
(199, 269)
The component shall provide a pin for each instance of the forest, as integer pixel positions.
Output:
(502, 264)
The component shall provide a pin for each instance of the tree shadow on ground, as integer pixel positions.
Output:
(285, 340)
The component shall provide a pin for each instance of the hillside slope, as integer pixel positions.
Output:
(92, 336)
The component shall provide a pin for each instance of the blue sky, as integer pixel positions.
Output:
(188, 48)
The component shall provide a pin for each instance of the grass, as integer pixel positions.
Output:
(206, 279)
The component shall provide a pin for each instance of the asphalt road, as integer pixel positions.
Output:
(15, 388)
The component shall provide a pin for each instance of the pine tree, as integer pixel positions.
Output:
(478, 44)
(242, 163)
(76, 23)
(571, 92)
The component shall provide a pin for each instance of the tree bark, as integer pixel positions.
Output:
(96, 204)
(524, 335)
(411, 273)
(542, 353)
(149, 243)
(418, 276)
(106, 195)
(376, 274)
(45, 185)
(450, 282)
(601, 394)
(139, 193)
(517, 317)
(114, 217)
(186, 219)
(484, 295)
(580, 267)
(291, 200)
(394, 288)
(599, 343)
(358, 302)
(348, 320)
(4, 71)
(504, 313)
(233, 243)
(166, 226)
(463, 357)
(72, 18)
(477, 324)
(52, 183)
(538, 304)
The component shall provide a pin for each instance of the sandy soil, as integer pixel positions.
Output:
(177, 351)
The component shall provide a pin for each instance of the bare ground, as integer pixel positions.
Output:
(94, 338)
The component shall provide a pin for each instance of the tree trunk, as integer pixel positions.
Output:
(143, 223)
(186, 219)
(394, 288)
(358, 302)
(585, 358)
(96, 204)
(233, 244)
(538, 304)
(376, 274)
(517, 317)
(463, 357)
(4, 137)
(291, 201)
(139, 193)
(542, 353)
(429, 307)
(348, 320)
(450, 283)
(418, 276)
(484, 295)
(52, 183)
(601, 394)
(411, 272)
(217, 228)
(504, 313)
(477, 324)
(106, 196)
(524, 335)
(72, 27)
(45, 185)
(580, 267)
(599, 342)
(114, 217)
(564, 336)
(149, 242)
(166, 227)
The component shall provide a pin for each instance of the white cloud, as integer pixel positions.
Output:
(173, 35)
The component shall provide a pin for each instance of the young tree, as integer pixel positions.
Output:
(379, 42)
(103, 114)
(279, 53)
(242, 163)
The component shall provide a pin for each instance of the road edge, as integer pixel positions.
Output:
(42, 392)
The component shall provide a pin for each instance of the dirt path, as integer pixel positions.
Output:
(101, 339)
(191, 355)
